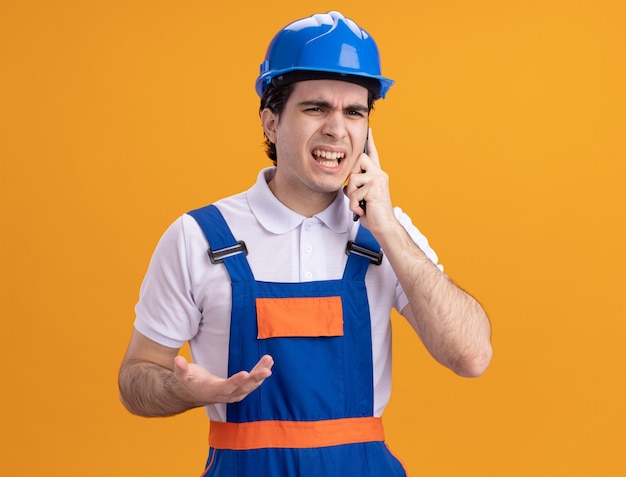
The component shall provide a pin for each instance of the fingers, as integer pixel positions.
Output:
(208, 388)
(243, 383)
(365, 174)
(370, 184)
(354, 190)
(263, 368)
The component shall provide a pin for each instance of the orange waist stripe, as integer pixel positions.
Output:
(294, 434)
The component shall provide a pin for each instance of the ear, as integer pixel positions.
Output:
(269, 121)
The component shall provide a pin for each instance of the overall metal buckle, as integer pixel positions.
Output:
(376, 258)
(218, 256)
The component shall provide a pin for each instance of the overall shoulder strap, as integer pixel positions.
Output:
(223, 248)
(362, 252)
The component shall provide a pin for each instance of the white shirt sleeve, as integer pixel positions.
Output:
(166, 311)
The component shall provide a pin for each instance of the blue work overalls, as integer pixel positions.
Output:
(314, 415)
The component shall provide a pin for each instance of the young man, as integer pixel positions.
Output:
(287, 314)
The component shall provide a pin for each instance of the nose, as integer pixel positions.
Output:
(335, 126)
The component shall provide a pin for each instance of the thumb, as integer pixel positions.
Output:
(181, 367)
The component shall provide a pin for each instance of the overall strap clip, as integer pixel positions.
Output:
(376, 258)
(218, 256)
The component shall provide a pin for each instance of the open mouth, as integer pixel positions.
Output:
(328, 158)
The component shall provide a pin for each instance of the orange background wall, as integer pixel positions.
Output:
(504, 138)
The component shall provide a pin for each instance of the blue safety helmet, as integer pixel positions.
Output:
(323, 46)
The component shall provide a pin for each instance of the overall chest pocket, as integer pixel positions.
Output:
(305, 336)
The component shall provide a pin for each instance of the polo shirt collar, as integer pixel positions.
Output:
(277, 218)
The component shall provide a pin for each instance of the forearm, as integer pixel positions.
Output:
(450, 322)
(151, 390)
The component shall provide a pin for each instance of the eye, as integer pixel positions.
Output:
(356, 114)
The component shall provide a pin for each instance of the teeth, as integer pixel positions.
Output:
(332, 156)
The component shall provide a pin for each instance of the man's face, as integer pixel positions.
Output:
(318, 136)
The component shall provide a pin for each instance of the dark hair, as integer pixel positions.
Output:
(277, 94)
(275, 98)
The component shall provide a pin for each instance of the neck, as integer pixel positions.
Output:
(304, 204)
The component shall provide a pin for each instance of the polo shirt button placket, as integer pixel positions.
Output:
(307, 238)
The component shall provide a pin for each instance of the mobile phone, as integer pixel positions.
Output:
(362, 202)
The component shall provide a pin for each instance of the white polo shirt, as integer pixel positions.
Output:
(184, 297)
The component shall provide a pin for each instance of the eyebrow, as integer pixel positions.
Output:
(326, 105)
